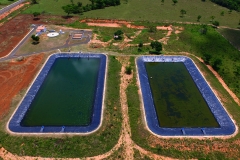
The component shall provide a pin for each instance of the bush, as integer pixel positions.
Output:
(118, 33)
(128, 70)
(152, 29)
(215, 23)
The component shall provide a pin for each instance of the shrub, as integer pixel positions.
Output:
(215, 23)
(140, 45)
(128, 70)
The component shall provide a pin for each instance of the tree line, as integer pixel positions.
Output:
(230, 4)
(95, 4)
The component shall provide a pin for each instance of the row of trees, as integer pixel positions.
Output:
(230, 4)
(216, 63)
(95, 4)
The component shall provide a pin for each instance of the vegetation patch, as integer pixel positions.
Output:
(210, 45)
(232, 35)
(146, 36)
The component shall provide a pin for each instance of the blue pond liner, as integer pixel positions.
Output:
(14, 123)
(227, 126)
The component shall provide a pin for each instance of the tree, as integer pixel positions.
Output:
(100, 4)
(156, 45)
(206, 58)
(70, 8)
(36, 14)
(162, 1)
(216, 64)
(140, 45)
(152, 29)
(79, 4)
(175, 1)
(215, 23)
(128, 70)
(212, 17)
(35, 39)
(203, 30)
(118, 32)
(118, 35)
(230, 4)
(34, 1)
(198, 18)
(222, 13)
(93, 4)
(183, 12)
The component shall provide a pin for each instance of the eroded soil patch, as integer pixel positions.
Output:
(15, 76)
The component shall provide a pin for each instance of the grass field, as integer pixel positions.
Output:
(4, 3)
(154, 11)
(232, 35)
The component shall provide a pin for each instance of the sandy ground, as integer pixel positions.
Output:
(110, 23)
(105, 24)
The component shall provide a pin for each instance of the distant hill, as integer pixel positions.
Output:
(230, 4)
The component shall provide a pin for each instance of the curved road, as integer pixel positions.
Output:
(7, 8)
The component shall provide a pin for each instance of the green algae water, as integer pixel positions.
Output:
(66, 97)
(177, 100)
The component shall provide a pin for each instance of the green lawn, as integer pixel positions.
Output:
(153, 11)
(4, 3)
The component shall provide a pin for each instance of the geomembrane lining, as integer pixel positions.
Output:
(14, 123)
(227, 126)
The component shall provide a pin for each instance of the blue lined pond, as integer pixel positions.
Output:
(67, 95)
(178, 101)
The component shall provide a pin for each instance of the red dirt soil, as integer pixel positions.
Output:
(15, 76)
(13, 31)
(110, 23)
